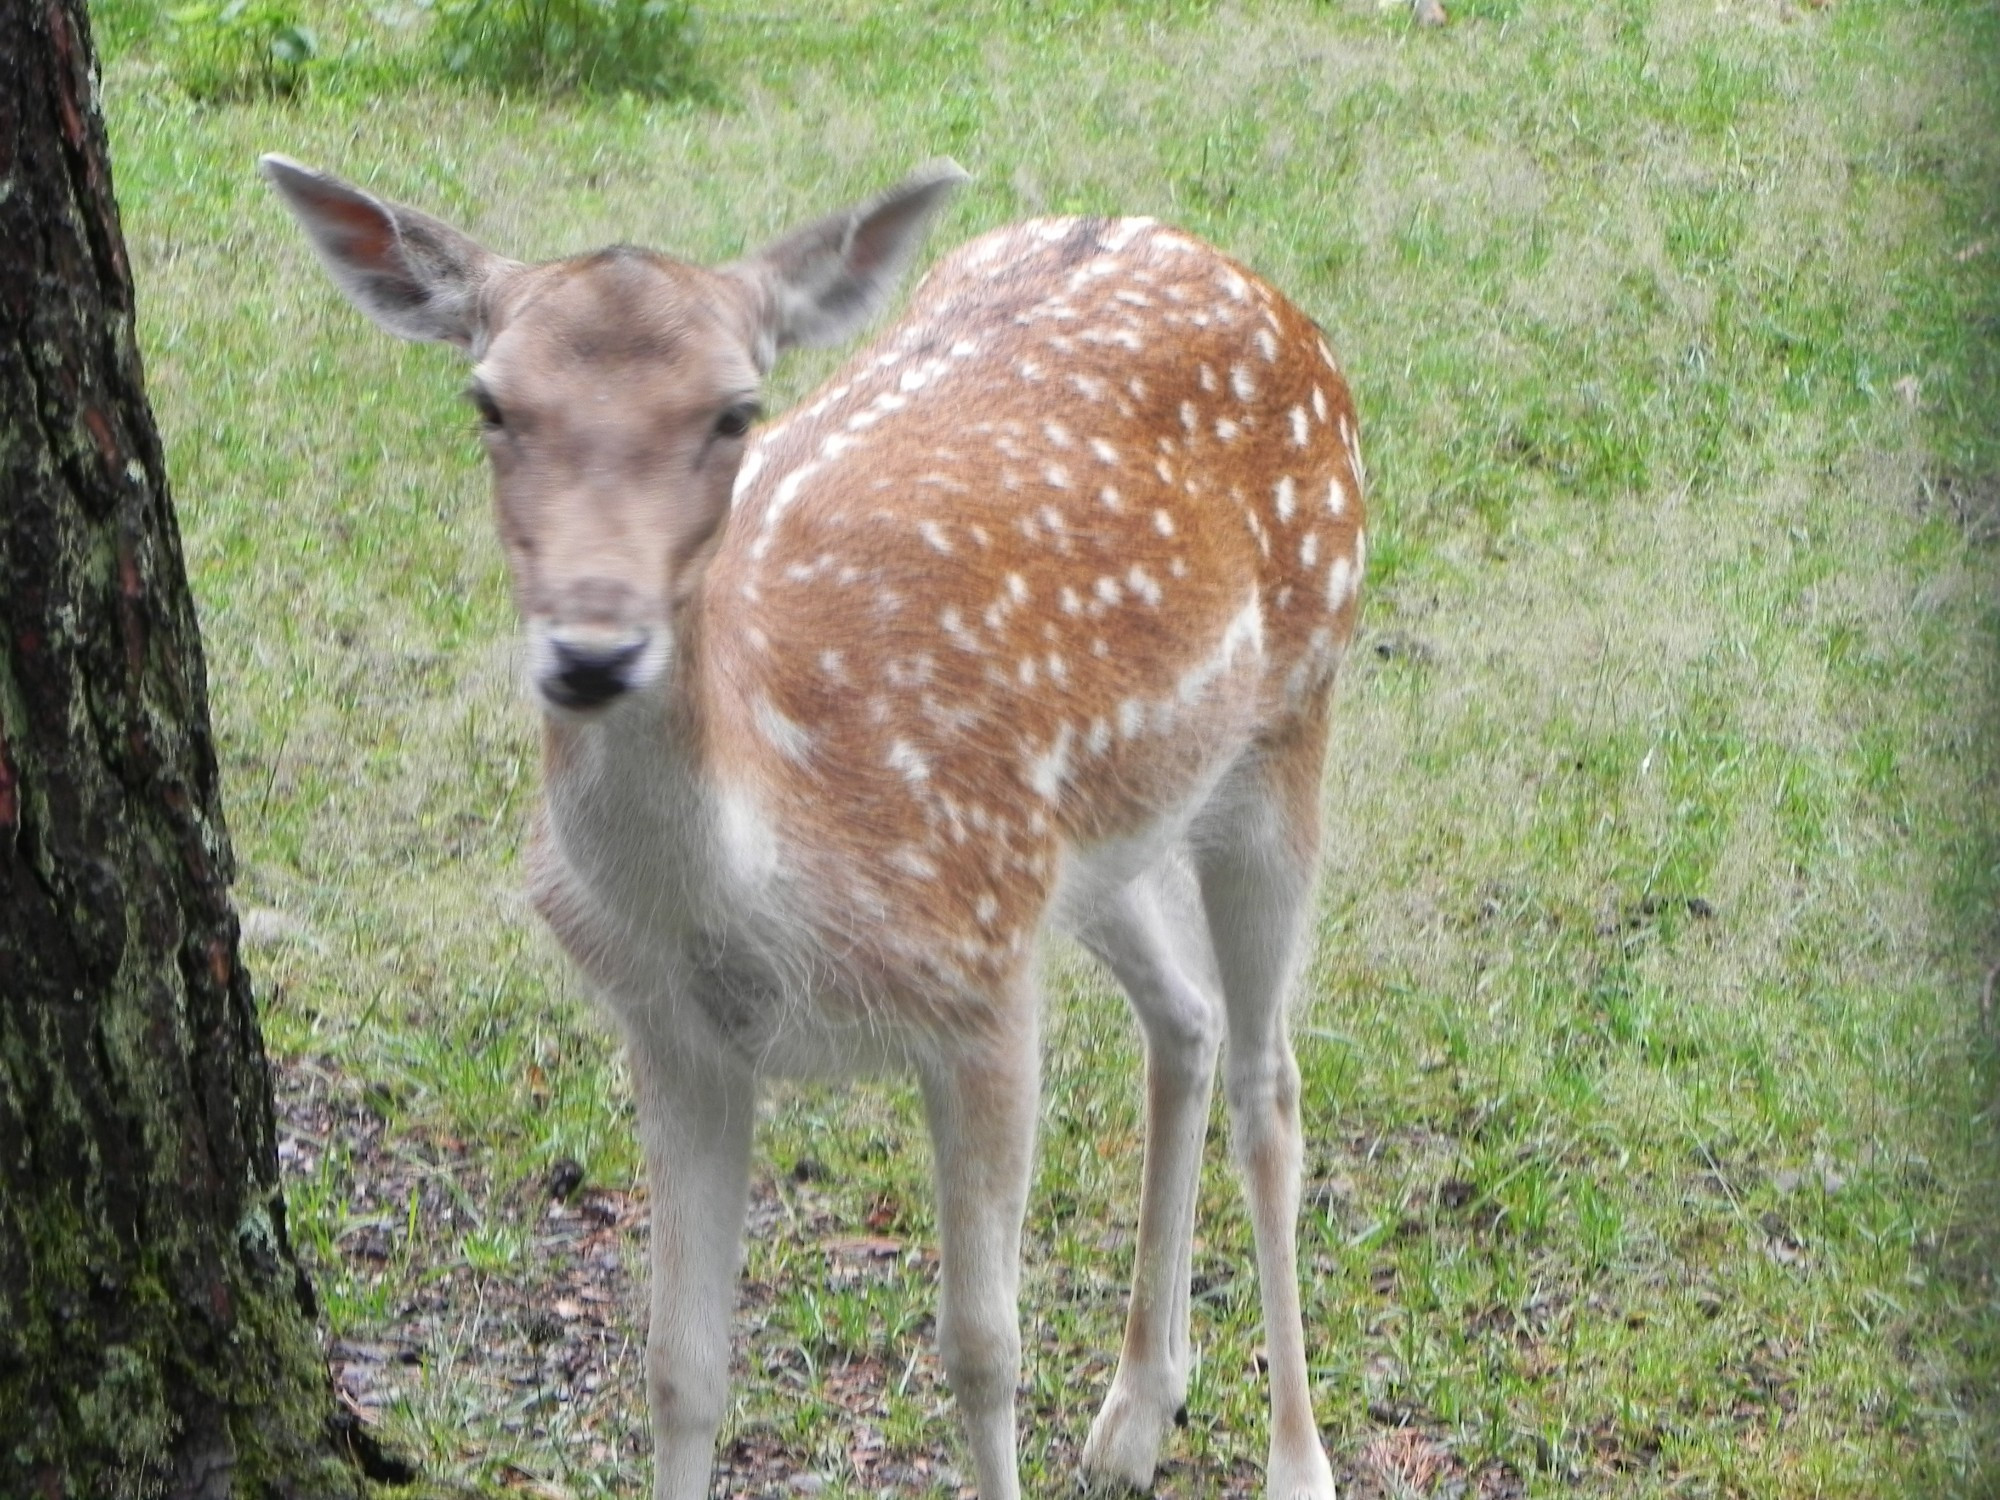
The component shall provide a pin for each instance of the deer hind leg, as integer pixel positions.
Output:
(1257, 855)
(980, 1102)
(695, 1118)
(1153, 937)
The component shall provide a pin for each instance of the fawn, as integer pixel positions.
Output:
(1027, 620)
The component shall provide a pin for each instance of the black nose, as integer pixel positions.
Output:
(587, 676)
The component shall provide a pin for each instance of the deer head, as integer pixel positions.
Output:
(615, 390)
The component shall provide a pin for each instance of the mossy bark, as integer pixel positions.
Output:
(156, 1333)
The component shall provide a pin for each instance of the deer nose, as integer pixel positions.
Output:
(590, 673)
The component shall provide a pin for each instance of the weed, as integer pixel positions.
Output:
(236, 49)
(590, 46)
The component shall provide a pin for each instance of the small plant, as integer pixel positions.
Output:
(238, 49)
(591, 46)
(495, 1250)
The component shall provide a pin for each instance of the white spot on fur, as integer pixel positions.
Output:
(1143, 584)
(933, 534)
(1163, 523)
(1131, 718)
(1120, 232)
(1048, 771)
(1108, 589)
(1286, 496)
(1300, 432)
(749, 845)
(1106, 454)
(1242, 382)
(1111, 498)
(1319, 403)
(1206, 376)
(906, 758)
(1336, 496)
(1309, 550)
(1056, 433)
(1072, 603)
(1017, 586)
(1244, 634)
(953, 625)
(1189, 417)
(912, 862)
(1339, 582)
(1056, 477)
(1226, 430)
(1267, 345)
(781, 501)
(747, 471)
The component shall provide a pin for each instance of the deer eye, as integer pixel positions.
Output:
(736, 420)
(488, 409)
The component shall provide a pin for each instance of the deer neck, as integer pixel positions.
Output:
(636, 810)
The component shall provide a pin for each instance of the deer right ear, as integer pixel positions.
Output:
(413, 274)
(821, 284)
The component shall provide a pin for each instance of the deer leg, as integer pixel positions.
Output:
(1256, 878)
(981, 1106)
(695, 1117)
(1153, 938)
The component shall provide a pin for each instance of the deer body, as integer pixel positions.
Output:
(1027, 620)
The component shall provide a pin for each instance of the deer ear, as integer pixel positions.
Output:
(822, 283)
(413, 274)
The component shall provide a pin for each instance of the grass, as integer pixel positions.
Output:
(1651, 1144)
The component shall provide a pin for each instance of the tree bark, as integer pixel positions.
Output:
(156, 1334)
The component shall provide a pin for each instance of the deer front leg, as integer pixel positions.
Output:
(981, 1107)
(695, 1117)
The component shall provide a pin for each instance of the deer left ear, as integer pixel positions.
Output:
(413, 274)
(823, 283)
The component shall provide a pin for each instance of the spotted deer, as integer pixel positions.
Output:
(1026, 620)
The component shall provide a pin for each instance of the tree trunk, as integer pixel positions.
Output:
(156, 1333)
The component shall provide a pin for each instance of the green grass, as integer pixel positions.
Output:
(1651, 1144)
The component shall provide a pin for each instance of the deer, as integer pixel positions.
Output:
(1025, 622)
